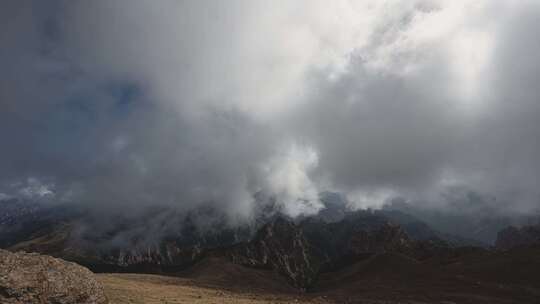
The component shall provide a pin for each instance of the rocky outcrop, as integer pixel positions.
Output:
(357, 236)
(280, 245)
(299, 250)
(388, 238)
(27, 278)
(302, 252)
(167, 254)
(159, 241)
(512, 237)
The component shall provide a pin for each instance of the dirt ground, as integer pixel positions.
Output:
(487, 278)
(154, 289)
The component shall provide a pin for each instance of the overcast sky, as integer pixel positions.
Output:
(123, 103)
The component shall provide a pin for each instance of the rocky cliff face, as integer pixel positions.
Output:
(302, 251)
(157, 241)
(162, 258)
(387, 238)
(512, 237)
(280, 245)
(355, 237)
(162, 241)
(33, 278)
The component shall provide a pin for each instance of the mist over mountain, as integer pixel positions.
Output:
(338, 254)
(467, 214)
(339, 151)
(119, 106)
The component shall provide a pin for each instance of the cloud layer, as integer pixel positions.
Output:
(133, 103)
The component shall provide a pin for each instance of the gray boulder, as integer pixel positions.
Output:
(33, 278)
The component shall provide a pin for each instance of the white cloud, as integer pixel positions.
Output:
(374, 94)
(36, 189)
(287, 177)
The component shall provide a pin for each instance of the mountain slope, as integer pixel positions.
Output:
(512, 237)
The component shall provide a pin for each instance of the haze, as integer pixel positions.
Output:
(122, 104)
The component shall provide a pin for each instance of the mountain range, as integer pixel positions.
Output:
(332, 251)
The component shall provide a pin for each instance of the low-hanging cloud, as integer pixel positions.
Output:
(121, 104)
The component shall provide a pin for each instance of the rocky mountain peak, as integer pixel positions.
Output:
(388, 238)
(280, 245)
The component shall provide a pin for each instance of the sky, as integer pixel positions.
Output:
(130, 103)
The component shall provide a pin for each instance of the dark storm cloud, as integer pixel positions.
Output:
(135, 103)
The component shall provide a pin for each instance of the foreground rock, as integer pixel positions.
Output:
(32, 278)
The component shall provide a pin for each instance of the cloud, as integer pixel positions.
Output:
(440, 98)
(138, 103)
(286, 178)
